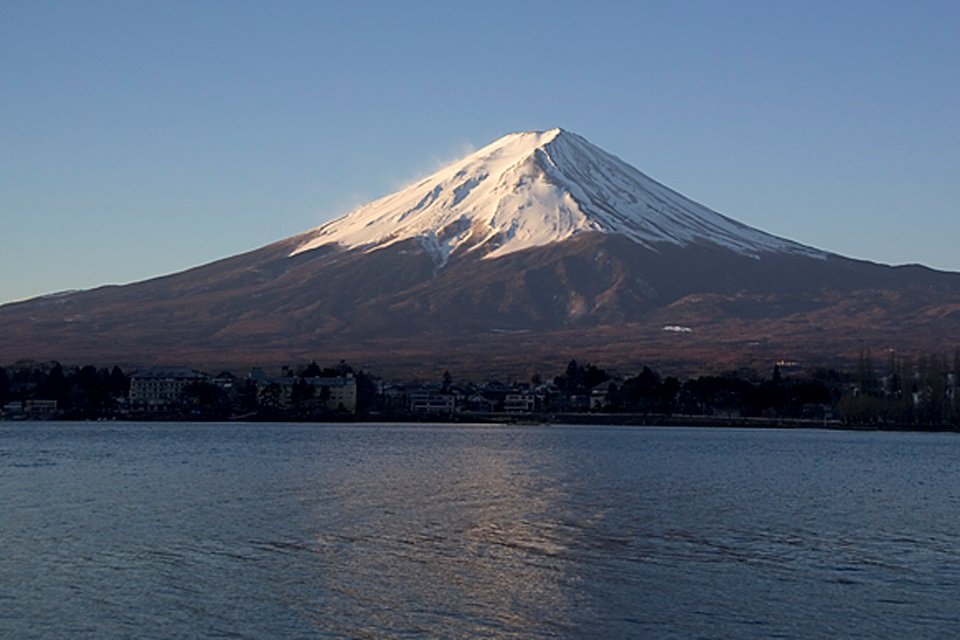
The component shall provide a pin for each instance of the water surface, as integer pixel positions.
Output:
(116, 530)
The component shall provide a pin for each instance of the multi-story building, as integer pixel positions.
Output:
(341, 392)
(158, 389)
(332, 393)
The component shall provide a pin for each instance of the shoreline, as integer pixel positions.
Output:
(531, 419)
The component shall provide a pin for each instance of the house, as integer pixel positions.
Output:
(496, 393)
(31, 408)
(15, 406)
(226, 381)
(478, 403)
(600, 396)
(40, 407)
(431, 401)
(519, 402)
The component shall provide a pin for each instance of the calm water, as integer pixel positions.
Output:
(269, 531)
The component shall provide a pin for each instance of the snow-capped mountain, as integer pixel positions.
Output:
(535, 188)
(537, 248)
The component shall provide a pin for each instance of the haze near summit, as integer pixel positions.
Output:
(141, 140)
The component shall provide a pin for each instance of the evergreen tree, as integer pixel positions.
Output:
(593, 376)
(86, 395)
(206, 398)
(866, 376)
(570, 381)
(893, 386)
(54, 385)
(270, 397)
(247, 397)
(955, 420)
(119, 383)
(311, 371)
(937, 384)
(324, 394)
(669, 390)
(301, 392)
(368, 394)
(906, 412)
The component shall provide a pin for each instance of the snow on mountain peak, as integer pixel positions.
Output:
(530, 189)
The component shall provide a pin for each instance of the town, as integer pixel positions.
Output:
(901, 394)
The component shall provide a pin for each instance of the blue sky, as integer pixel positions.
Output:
(141, 138)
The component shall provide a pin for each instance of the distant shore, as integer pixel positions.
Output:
(539, 419)
(653, 420)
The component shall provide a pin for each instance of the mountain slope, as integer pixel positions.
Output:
(532, 250)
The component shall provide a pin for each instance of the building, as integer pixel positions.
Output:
(31, 408)
(478, 403)
(519, 403)
(330, 393)
(600, 396)
(341, 393)
(433, 402)
(15, 406)
(40, 407)
(158, 389)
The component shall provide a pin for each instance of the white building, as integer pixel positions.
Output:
(158, 389)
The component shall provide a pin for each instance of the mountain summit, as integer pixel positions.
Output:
(531, 189)
(533, 250)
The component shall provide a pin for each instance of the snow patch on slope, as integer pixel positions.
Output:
(531, 189)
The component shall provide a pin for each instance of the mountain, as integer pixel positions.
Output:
(534, 249)
(531, 189)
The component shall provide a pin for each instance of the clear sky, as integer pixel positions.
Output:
(141, 138)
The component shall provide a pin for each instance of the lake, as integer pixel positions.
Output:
(119, 530)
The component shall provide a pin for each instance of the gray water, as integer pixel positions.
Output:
(114, 530)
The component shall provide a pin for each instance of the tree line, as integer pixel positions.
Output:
(902, 392)
(906, 391)
(81, 393)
